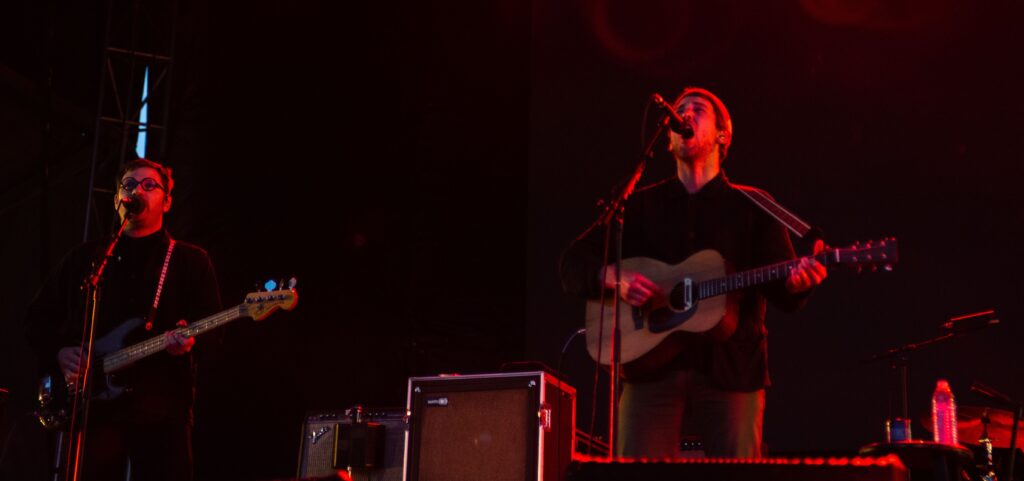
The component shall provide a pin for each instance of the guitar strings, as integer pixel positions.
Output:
(132, 353)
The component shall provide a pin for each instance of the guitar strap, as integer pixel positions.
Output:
(780, 213)
(160, 286)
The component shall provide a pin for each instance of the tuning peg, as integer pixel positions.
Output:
(270, 285)
(887, 267)
(292, 283)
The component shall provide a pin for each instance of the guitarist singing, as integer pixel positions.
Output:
(717, 384)
(150, 423)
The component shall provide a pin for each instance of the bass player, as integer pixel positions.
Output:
(151, 277)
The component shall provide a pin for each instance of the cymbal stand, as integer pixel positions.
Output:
(1018, 413)
(986, 442)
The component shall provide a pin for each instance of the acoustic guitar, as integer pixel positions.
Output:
(700, 299)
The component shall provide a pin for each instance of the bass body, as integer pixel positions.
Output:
(111, 356)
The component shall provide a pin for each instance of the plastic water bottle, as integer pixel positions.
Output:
(944, 414)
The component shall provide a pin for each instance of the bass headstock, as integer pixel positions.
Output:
(261, 304)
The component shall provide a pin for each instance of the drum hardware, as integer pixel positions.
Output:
(986, 443)
(976, 423)
(897, 427)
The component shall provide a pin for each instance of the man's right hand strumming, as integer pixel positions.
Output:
(69, 359)
(634, 288)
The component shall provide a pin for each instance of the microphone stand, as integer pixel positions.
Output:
(614, 216)
(899, 357)
(1018, 413)
(83, 387)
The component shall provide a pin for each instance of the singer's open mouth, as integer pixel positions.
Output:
(687, 132)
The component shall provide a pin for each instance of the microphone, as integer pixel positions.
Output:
(674, 121)
(971, 322)
(132, 206)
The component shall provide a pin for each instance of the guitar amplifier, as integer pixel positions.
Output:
(371, 442)
(498, 427)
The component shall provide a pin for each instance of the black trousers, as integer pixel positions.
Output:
(651, 416)
(158, 450)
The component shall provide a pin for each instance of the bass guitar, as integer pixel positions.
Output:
(55, 395)
(700, 299)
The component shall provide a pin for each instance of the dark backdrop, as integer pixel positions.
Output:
(868, 120)
(420, 165)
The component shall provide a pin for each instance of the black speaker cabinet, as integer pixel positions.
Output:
(496, 427)
(371, 442)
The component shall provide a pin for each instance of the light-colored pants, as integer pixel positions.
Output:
(651, 417)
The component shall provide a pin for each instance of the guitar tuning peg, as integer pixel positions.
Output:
(270, 285)
(887, 267)
(292, 283)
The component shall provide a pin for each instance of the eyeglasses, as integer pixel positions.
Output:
(147, 184)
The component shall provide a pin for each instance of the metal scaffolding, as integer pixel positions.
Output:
(138, 35)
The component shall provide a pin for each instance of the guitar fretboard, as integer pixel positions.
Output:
(753, 277)
(135, 352)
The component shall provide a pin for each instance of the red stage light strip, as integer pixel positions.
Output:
(859, 461)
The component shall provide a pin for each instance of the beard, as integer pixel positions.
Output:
(698, 149)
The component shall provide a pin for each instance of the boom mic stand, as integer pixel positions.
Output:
(614, 216)
(78, 427)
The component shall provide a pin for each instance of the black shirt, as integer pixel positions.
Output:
(161, 385)
(665, 222)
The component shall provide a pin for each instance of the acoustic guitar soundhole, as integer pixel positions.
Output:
(677, 298)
